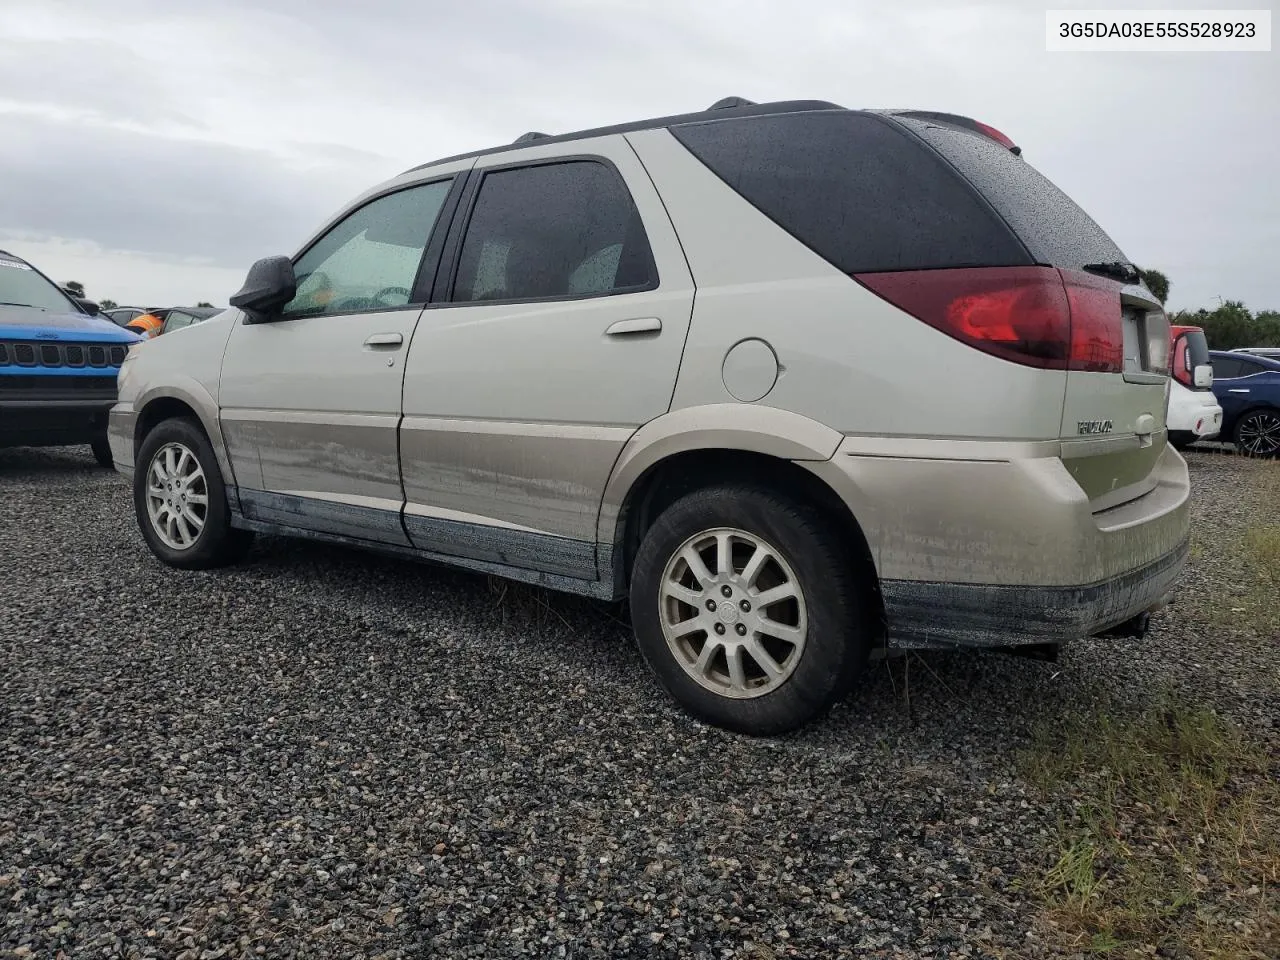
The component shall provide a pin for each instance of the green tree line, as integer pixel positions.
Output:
(1230, 325)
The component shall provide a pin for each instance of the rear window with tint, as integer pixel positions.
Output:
(855, 189)
(1054, 228)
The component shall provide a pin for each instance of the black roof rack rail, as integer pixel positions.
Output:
(530, 137)
(727, 102)
(746, 109)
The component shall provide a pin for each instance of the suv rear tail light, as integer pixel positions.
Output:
(1097, 322)
(1037, 316)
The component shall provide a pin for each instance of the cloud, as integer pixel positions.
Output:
(96, 79)
(219, 132)
(174, 200)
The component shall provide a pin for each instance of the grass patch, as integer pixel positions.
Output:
(1172, 842)
(1259, 603)
(1246, 598)
(1263, 544)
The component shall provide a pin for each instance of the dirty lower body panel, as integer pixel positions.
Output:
(924, 615)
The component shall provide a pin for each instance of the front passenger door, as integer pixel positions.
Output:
(1232, 391)
(310, 402)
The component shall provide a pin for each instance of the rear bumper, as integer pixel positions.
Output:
(1008, 550)
(50, 423)
(927, 615)
(1193, 414)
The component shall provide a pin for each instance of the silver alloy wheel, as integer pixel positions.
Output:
(733, 613)
(1259, 434)
(177, 496)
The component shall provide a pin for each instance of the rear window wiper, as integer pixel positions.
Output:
(1116, 270)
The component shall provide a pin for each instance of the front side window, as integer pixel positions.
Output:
(369, 261)
(554, 230)
(22, 286)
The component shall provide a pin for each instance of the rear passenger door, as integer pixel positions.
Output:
(555, 331)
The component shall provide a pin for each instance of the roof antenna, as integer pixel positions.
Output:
(731, 102)
(530, 136)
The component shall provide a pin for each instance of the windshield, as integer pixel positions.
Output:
(22, 286)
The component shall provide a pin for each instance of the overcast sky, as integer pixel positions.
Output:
(152, 150)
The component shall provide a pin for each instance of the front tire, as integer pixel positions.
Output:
(747, 606)
(1258, 433)
(181, 501)
(102, 451)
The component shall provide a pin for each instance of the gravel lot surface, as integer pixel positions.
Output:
(321, 753)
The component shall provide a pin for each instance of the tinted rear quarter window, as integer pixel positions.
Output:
(1051, 224)
(856, 189)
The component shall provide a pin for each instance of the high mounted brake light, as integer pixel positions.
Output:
(968, 123)
(998, 137)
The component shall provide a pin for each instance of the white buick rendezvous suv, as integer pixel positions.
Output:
(801, 382)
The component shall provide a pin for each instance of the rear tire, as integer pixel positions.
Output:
(102, 451)
(701, 622)
(1181, 439)
(1257, 433)
(181, 501)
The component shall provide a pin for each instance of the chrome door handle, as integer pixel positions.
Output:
(385, 340)
(625, 328)
(1238, 390)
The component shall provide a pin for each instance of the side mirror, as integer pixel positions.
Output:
(268, 287)
(1203, 376)
(88, 306)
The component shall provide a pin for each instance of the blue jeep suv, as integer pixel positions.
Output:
(58, 364)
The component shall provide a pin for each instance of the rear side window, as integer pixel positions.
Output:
(1056, 231)
(1226, 368)
(557, 230)
(1248, 368)
(856, 189)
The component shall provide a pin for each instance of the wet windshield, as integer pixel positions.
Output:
(21, 286)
